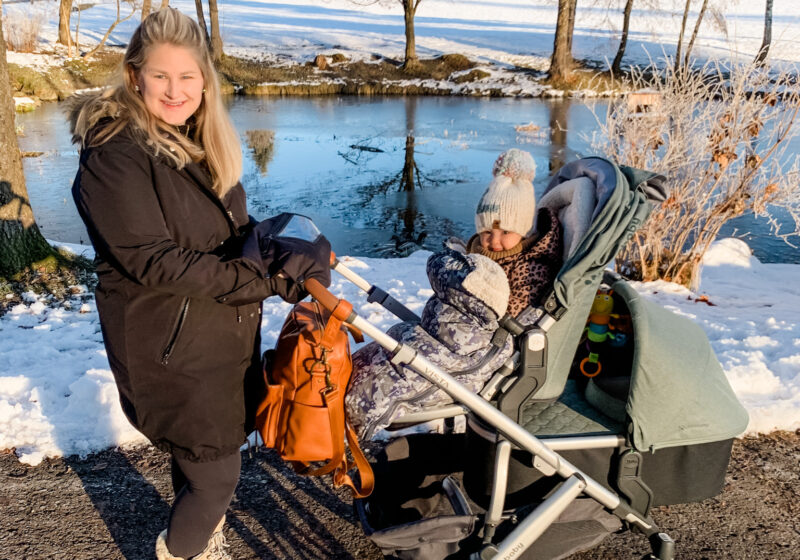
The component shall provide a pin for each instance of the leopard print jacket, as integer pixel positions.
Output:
(532, 265)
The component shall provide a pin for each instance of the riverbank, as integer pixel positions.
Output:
(307, 47)
(54, 76)
(116, 502)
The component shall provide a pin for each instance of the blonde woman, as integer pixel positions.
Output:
(179, 305)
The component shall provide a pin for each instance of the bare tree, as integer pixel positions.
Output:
(562, 63)
(119, 19)
(410, 58)
(146, 8)
(64, 10)
(21, 242)
(683, 30)
(685, 60)
(616, 66)
(216, 38)
(695, 32)
(764, 50)
(201, 19)
(409, 11)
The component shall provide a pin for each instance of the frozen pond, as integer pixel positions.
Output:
(374, 173)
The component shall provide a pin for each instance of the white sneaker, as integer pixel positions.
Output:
(215, 550)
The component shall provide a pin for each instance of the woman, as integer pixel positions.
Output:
(179, 305)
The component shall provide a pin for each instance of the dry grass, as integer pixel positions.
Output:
(588, 79)
(721, 139)
(261, 143)
(244, 72)
(21, 30)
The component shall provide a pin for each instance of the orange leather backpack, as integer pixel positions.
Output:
(303, 414)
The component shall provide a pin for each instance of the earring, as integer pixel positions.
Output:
(136, 88)
(204, 90)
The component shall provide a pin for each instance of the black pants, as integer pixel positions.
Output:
(203, 492)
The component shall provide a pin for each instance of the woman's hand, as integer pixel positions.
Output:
(289, 291)
(287, 262)
(298, 260)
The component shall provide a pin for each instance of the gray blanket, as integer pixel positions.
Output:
(455, 333)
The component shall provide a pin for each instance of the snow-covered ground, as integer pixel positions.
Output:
(57, 394)
(518, 32)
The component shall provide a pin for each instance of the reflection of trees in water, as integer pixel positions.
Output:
(261, 144)
(559, 111)
(408, 224)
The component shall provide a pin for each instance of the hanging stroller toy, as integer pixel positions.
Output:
(598, 331)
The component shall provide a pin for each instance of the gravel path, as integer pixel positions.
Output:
(111, 505)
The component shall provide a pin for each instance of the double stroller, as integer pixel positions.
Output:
(553, 461)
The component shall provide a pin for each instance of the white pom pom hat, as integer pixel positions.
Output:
(509, 202)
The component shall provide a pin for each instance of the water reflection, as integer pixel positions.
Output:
(558, 134)
(261, 144)
(408, 233)
(378, 175)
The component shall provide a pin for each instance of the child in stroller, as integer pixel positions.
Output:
(506, 267)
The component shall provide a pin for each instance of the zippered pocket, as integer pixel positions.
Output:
(176, 331)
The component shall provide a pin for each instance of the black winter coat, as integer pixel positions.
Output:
(180, 312)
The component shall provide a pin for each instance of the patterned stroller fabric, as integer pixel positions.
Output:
(455, 333)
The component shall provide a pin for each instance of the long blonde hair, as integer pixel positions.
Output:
(214, 142)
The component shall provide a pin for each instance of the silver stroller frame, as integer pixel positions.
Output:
(509, 435)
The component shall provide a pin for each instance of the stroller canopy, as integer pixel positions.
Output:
(621, 206)
(679, 394)
(600, 205)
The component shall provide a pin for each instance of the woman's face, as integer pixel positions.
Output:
(499, 240)
(171, 83)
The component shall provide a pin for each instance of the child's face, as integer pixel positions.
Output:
(499, 239)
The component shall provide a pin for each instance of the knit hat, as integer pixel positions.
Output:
(509, 202)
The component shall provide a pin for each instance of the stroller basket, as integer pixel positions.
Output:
(418, 513)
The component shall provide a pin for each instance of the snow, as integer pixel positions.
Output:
(58, 397)
(57, 394)
(504, 33)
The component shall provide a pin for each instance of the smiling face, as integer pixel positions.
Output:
(171, 83)
(499, 240)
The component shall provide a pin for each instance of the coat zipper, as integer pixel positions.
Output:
(176, 332)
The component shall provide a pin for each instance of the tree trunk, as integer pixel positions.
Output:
(764, 50)
(680, 36)
(21, 243)
(201, 19)
(616, 66)
(164, 4)
(695, 32)
(409, 10)
(561, 63)
(216, 38)
(63, 22)
(573, 4)
(146, 8)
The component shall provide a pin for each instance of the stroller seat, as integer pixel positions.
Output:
(572, 414)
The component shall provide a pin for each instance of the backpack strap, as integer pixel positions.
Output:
(339, 465)
(365, 474)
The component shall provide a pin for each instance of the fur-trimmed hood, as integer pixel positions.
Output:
(85, 110)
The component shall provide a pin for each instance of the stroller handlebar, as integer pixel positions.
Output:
(324, 296)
